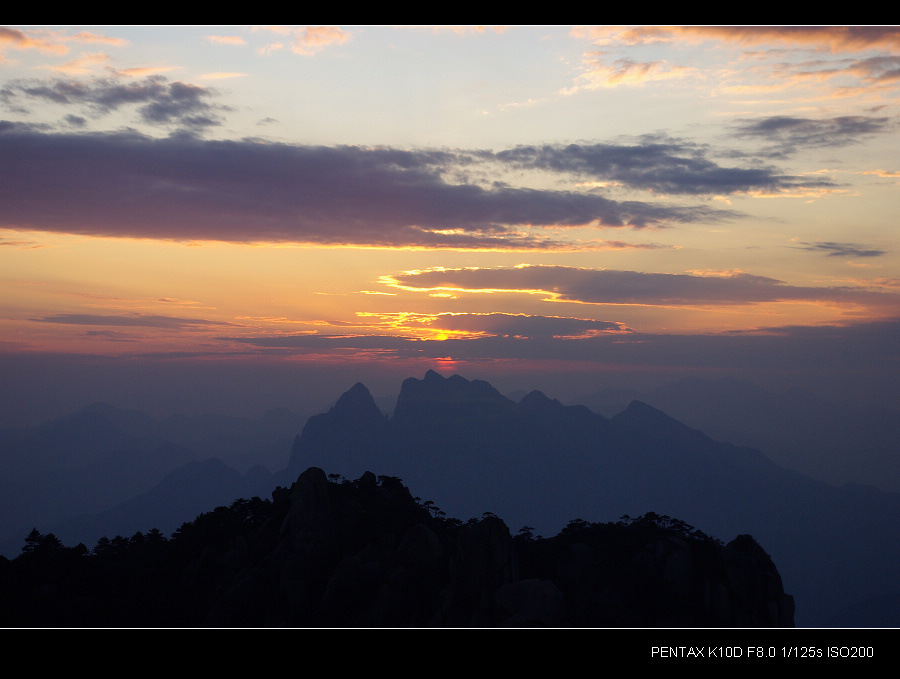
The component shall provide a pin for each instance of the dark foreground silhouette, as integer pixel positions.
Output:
(366, 553)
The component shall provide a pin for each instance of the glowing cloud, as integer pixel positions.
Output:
(603, 286)
(17, 39)
(832, 38)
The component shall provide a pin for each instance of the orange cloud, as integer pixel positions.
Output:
(625, 72)
(831, 38)
(141, 71)
(85, 36)
(83, 64)
(306, 40)
(313, 39)
(226, 39)
(10, 37)
(467, 29)
(709, 289)
(886, 174)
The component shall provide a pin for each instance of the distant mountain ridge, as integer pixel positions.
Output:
(460, 443)
(539, 463)
(66, 472)
(832, 442)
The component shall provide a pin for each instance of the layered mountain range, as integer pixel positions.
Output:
(538, 463)
(103, 471)
(466, 448)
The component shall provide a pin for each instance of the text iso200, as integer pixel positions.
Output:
(851, 652)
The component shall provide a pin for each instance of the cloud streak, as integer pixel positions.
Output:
(17, 39)
(842, 249)
(136, 320)
(158, 101)
(793, 62)
(127, 185)
(664, 166)
(791, 132)
(831, 38)
(494, 324)
(785, 350)
(605, 286)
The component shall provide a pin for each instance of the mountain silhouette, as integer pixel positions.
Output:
(184, 492)
(366, 553)
(534, 462)
(352, 432)
(539, 463)
(65, 472)
(833, 442)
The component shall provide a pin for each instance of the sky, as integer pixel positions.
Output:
(236, 218)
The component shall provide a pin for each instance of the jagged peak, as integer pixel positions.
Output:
(413, 384)
(432, 382)
(358, 388)
(357, 398)
(435, 391)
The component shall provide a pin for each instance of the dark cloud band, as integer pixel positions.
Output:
(606, 286)
(128, 185)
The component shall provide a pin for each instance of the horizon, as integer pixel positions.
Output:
(230, 219)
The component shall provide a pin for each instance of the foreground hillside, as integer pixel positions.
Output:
(367, 553)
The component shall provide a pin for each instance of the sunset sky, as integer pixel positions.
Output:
(201, 216)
